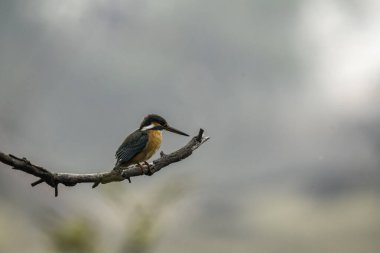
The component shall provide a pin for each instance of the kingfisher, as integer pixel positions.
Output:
(143, 143)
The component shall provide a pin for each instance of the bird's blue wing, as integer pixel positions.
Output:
(132, 145)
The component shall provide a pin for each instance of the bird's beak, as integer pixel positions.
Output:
(173, 130)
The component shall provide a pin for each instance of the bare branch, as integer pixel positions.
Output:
(116, 174)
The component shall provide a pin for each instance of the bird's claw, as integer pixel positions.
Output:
(150, 172)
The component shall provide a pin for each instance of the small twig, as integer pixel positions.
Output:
(115, 175)
(56, 190)
(37, 182)
(200, 134)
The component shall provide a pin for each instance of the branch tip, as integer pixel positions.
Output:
(200, 134)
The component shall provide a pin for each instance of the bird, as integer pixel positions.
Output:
(143, 143)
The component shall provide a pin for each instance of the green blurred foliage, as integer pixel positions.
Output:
(75, 236)
(142, 233)
(139, 219)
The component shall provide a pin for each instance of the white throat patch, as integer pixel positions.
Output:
(148, 127)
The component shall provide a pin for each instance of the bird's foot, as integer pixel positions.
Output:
(141, 168)
(150, 172)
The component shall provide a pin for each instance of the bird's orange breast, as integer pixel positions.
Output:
(154, 143)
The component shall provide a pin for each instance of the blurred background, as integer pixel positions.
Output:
(287, 90)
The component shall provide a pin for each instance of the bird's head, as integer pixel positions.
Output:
(156, 122)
